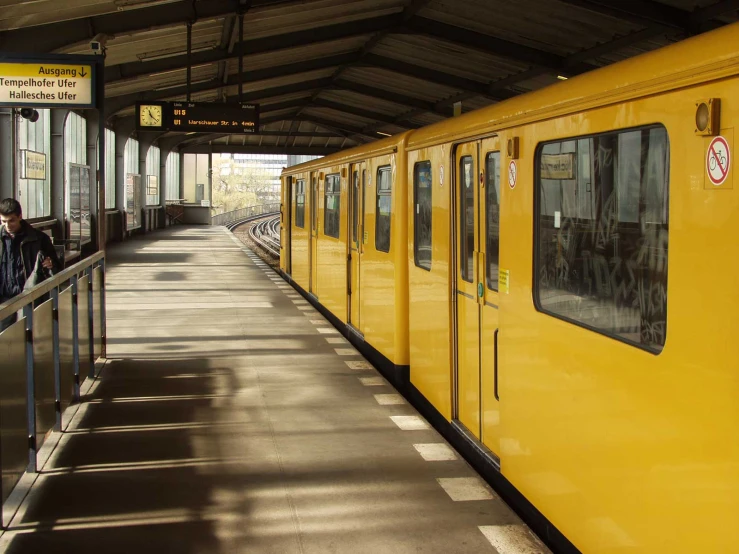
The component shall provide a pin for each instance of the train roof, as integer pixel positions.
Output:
(369, 150)
(713, 55)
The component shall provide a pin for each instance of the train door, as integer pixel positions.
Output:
(477, 316)
(313, 247)
(356, 230)
(287, 224)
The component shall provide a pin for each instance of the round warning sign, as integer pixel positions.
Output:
(512, 174)
(718, 161)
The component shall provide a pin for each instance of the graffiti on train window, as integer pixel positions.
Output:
(384, 207)
(332, 212)
(300, 204)
(422, 214)
(467, 225)
(492, 209)
(602, 234)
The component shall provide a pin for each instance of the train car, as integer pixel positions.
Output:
(344, 245)
(547, 326)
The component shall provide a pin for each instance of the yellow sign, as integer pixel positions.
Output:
(504, 281)
(40, 84)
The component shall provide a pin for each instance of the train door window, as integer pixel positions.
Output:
(467, 217)
(355, 207)
(492, 213)
(300, 204)
(332, 210)
(364, 202)
(384, 208)
(422, 182)
(602, 233)
(314, 205)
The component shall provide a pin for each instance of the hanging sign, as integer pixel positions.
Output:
(206, 117)
(718, 161)
(45, 85)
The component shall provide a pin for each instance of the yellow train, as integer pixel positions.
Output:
(509, 270)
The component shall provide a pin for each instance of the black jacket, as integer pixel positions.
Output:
(35, 246)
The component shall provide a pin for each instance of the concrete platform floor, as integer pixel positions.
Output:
(231, 417)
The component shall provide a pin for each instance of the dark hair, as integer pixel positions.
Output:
(10, 206)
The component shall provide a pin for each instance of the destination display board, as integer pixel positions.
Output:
(202, 117)
(42, 85)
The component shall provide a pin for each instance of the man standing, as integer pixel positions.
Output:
(27, 256)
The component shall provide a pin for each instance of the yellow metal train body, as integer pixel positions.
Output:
(526, 294)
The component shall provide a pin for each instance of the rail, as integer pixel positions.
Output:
(47, 353)
(267, 234)
(244, 213)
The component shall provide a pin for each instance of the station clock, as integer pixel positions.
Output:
(150, 116)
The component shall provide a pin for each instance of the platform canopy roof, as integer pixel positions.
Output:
(330, 74)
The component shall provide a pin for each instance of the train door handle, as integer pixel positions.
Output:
(495, 367)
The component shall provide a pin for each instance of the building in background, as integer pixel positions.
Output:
(241, 180)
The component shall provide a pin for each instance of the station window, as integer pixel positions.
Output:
(492, 217)
(332, 208)
(172, 173)
(602, 233)
(153, 175)
(422, 182)
(34, 154)
(109, 169)
(384, 208)
(300, 203)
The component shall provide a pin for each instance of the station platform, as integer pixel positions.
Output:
(231, 417)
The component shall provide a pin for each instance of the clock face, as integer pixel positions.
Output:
(150, 115)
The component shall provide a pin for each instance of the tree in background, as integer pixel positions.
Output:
(236, 186)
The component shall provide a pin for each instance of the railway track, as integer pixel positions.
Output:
(262, 234)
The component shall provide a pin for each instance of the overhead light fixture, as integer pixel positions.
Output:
(123, 5)
(383, 134)
(180, 70)
(177, 85)
(161, 54)
(562, 77)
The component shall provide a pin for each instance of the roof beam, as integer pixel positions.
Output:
(361, 112)
(233, 149)
(643, 12)
(263, 94)
(284, 41)
(489, 44)
(394, 97)
(435, 76)
(52, 36)
(274, 72)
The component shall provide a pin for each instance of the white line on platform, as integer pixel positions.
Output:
(435, 452)
(410, 423)
(465, 489)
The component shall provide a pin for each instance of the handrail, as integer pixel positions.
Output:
(18, 302)
(226, 218)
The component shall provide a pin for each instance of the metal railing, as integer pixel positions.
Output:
(243, 213)
(45, 355)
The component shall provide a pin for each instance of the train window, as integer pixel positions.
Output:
(422, 185)
(602, 233)
(384, 207)
(355, 207)
(332, 209)
(300, 203)
(492, 214)
(467, 218)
